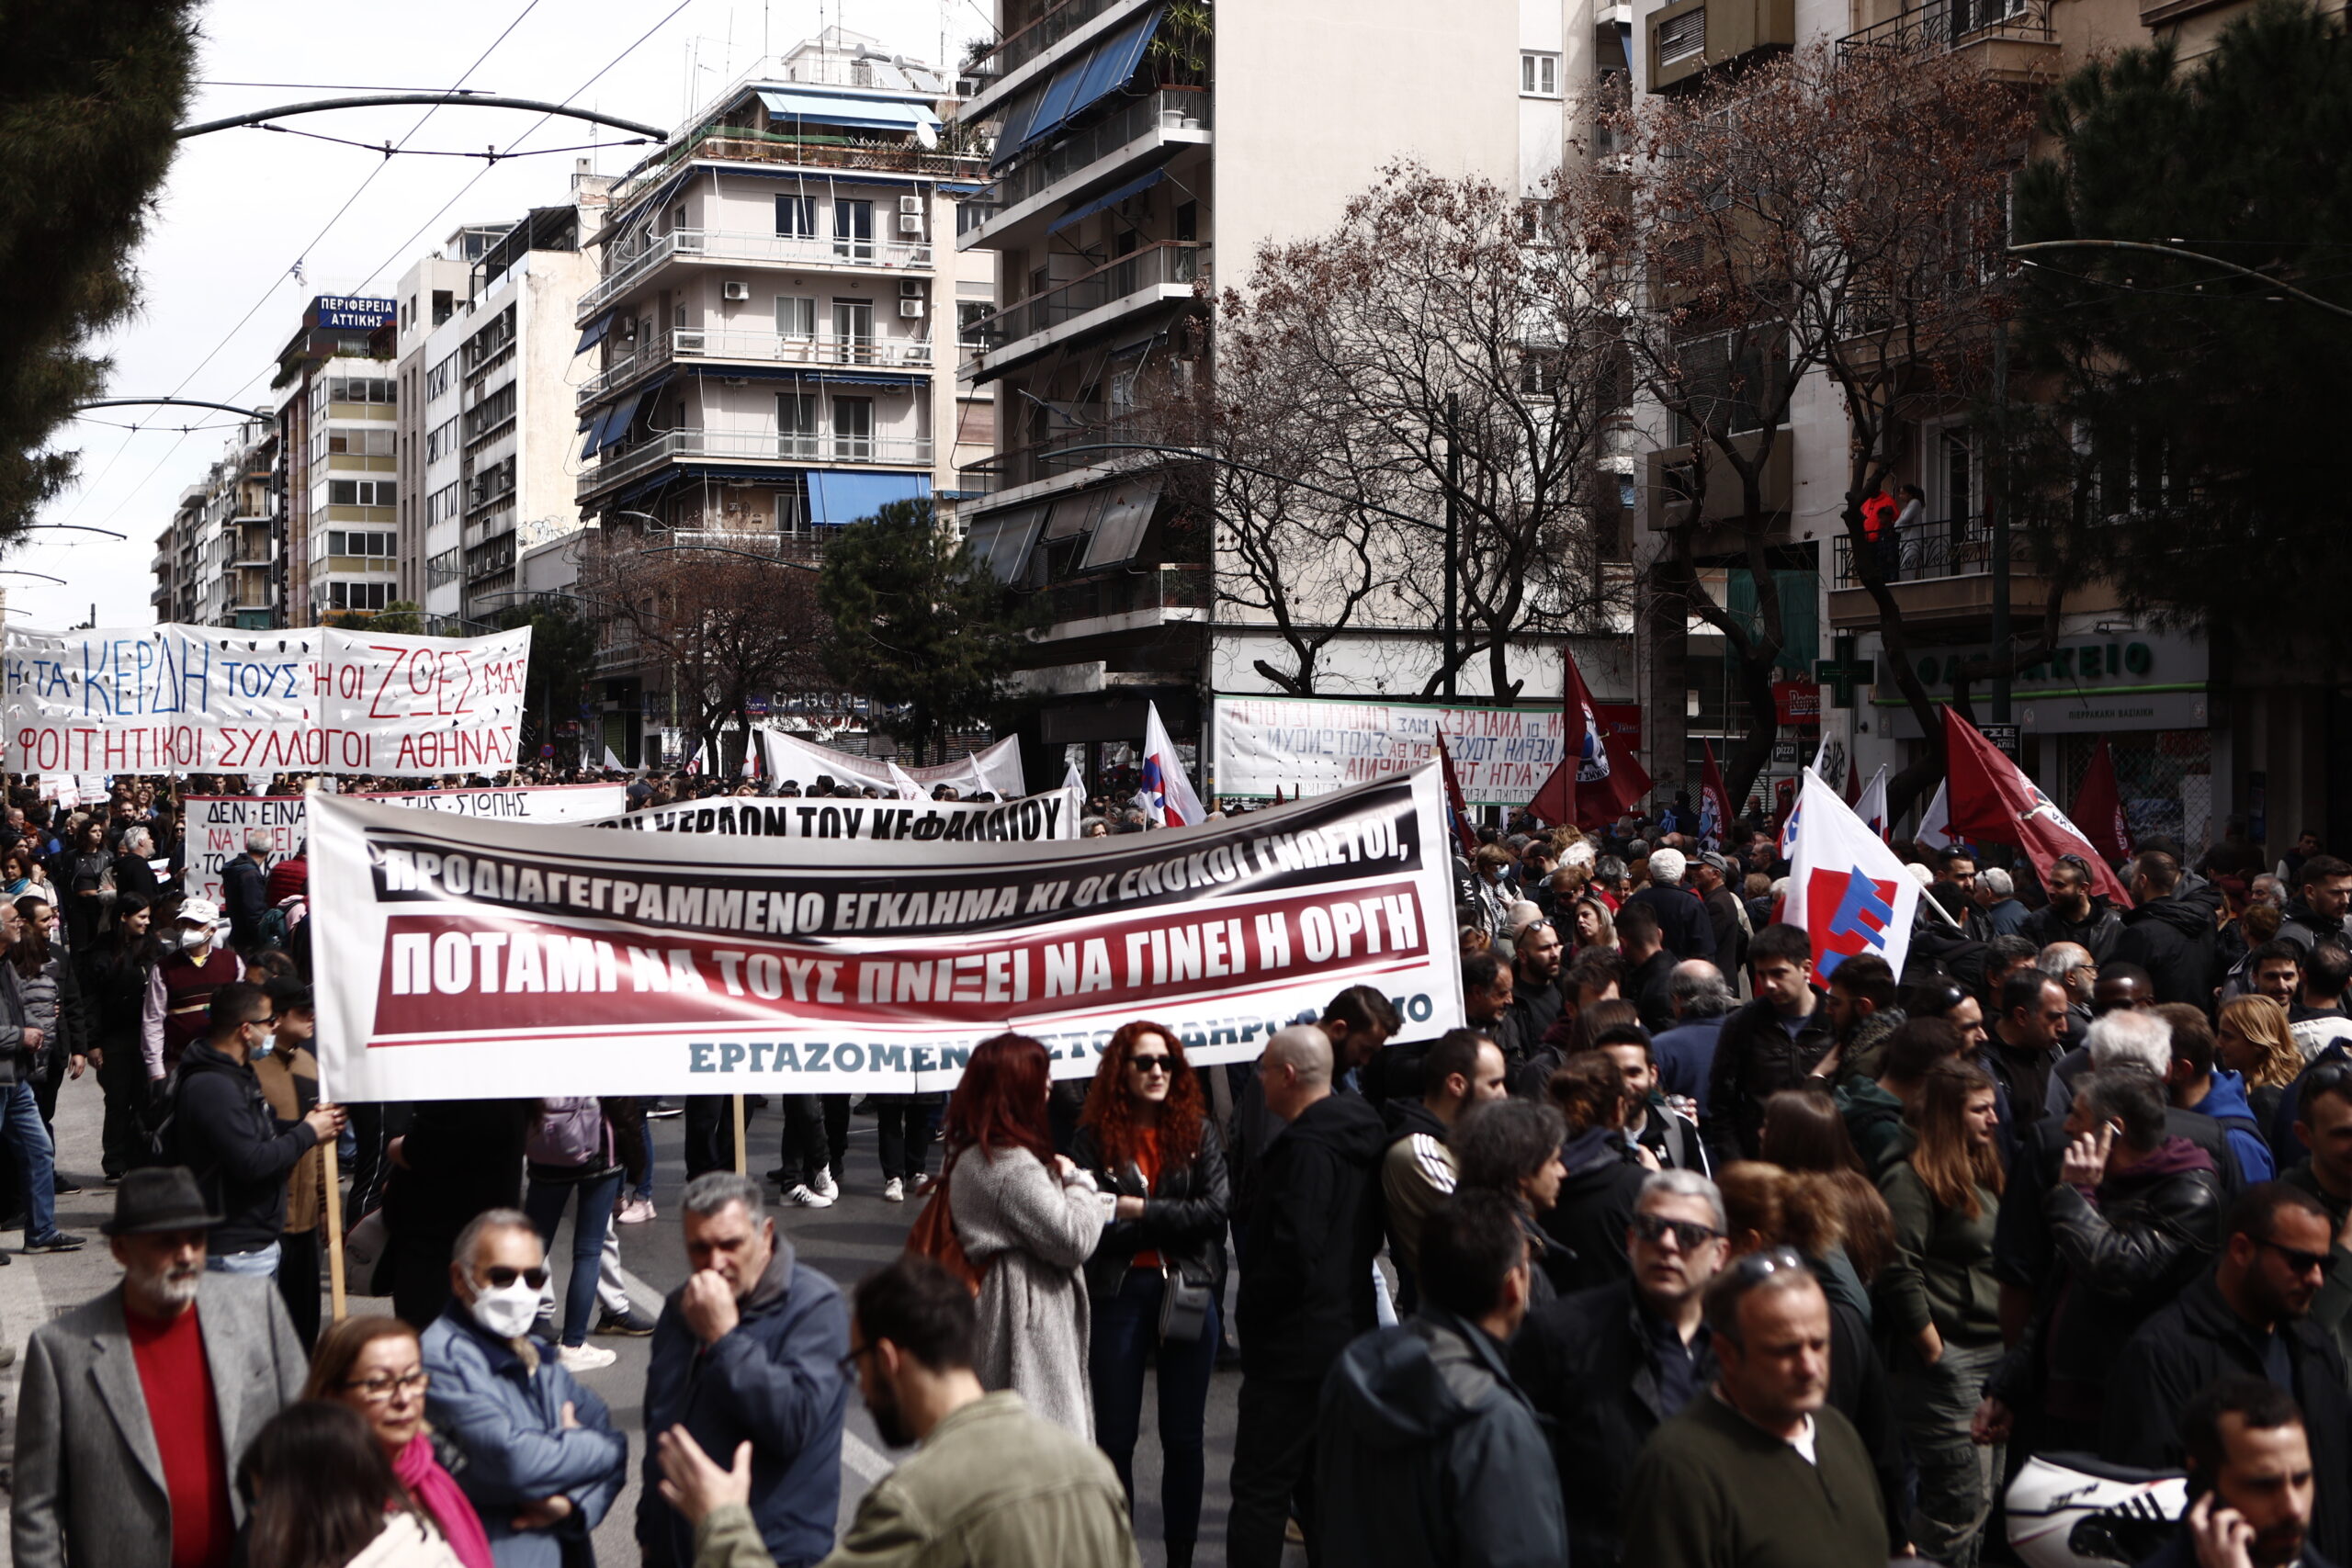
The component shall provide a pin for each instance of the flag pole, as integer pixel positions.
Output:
(333, 1178)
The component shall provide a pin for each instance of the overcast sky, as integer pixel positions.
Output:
(242, 208)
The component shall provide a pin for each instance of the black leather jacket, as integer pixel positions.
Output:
(1183, 1215)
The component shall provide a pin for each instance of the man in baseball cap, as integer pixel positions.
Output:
(1715, 880)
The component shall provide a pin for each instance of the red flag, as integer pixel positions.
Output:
(1990, 797)
(1853, 781)
(2098, 806)
(1598, 778)
(1715, 802)
(1455, 806)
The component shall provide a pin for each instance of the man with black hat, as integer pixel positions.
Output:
(136, 1406)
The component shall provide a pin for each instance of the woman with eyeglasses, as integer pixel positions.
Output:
(1027, 1218)
(1942, 1305)
(1146, 1138)
(375, 1366)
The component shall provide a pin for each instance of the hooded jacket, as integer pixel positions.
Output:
(1874, 1121)
(2305, 928)
(1429, 1455)
(2174, 939)
(774, 1381)
(225, 1133)
(2100, 931)
(2225, 1102)
(1595, 1207)
(1307, 1263)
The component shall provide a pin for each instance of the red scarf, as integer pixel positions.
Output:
(434, 1488)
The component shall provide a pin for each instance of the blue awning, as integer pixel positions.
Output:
(1084, 80)
(836, 497)
(862, 114)
(595, 333)
(614, 424)
(1109, 198)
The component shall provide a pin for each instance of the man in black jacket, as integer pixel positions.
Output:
(1682, 920)
(2250, 1316)
(1607, 1365)
(1774, 1042)
(2075, 913)
(240, 1152)
(1649, 984)
(245, 890)
(2170, 933)
(1306, 1286)
(1536, 957)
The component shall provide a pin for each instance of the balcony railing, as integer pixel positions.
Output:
(1033, 40)
(1171, 108)
(1168, 263)
(741, 144)
(1961, 546)
(1046, 460)
(1160, 588)
(1952, 24)
(754, 445)
(627, 263)
(764, 348)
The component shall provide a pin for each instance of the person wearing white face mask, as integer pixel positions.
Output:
(543, 1460)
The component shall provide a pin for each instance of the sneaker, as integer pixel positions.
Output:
(807, 1197)
(894, 1191)
(64, 1186)
(826, 1187)
(633, 1323)
(585, 1357)
(664, 1113)
(55, 1241)
(636, 1211)
(925, 1185)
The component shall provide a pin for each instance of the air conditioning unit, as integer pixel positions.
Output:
(736, 291)
(911, 204)
(910, 308)
(910, 223)
(734, 380)
(911, 287)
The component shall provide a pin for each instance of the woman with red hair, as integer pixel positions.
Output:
(1145, 1137)
(1027, 1218)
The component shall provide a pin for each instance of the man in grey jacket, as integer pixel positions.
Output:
(137, 1406)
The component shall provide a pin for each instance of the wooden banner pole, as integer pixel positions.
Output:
(334, 1228)
(743, 1152)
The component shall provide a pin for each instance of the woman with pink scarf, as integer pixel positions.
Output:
(375, 1366)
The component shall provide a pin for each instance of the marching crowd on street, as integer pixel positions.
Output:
(1670, 1252)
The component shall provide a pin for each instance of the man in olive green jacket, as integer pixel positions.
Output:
(990, 1484)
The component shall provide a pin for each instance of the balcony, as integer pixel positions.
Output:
(754, 348)
(756, 447)
(741, 144)
(1941, 572)
(1124, 603)
(2007, 39)
(629, 265)
(1033, 40)
(1179, 115)
(1047, 460)
(1690, 38)
(1170, 270)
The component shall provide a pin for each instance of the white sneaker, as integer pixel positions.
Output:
(585, 1357)
(807, 1197)
(826, 1187)
(894, 1191)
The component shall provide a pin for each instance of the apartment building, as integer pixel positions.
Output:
(336, 462)
(772, 331)
(2150, 692)
(217, 563)
(430, 292)
(1142, 154)
(494, 432)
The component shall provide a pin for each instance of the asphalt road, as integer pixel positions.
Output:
(856, 1234)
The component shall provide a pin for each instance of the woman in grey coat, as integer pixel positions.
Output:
(1027, 1218)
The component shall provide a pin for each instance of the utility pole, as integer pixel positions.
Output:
(1453, 536)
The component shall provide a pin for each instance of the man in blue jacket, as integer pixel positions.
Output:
(543, 1463)
(749, 1350)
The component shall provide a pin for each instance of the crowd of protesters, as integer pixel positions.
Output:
(1669, 1250)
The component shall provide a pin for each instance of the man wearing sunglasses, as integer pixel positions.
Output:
(2250, 1317)
(1608, 1365)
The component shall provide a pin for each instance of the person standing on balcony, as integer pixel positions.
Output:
(1911, 523)
(1877, 528)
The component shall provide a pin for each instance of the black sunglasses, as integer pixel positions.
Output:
(2301, 1262)
(1689, 1234)
(1152, 1063)
(500, 1276)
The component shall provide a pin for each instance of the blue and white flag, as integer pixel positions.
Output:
(1166, 795)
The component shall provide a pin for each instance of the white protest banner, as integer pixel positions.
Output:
(411, 706)
(475, 959)
(1309, 744)
(216, 825)
(1031, 819)
(175, 699)
(996, 768)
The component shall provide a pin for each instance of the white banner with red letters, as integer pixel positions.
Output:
(179, 699)
(474, 959)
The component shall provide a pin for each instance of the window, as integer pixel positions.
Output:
(360, 441)
(441, 441)
(491, 482)
(444, 504)
(360, 390)
(359, 595)
(1120, 399)
(1539, 75)
(853, 429)
(436, 380)
(969, 314)
(792, 505)
(853, 330)
(795, 217)
(796, 425)
(795, 316)
(854, 229)
(360, 492)
(490, 413)
(442, 570)
(343, 543)
(1682, 37)
(444, 305)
